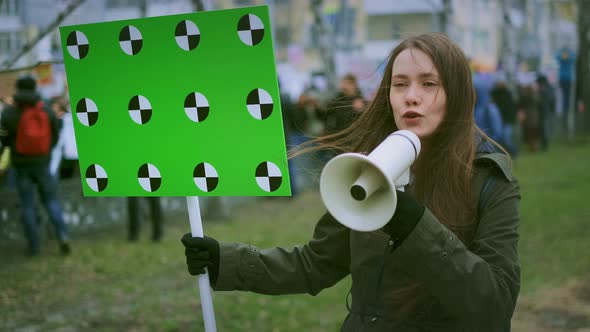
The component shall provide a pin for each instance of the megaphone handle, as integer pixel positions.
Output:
(402, 181)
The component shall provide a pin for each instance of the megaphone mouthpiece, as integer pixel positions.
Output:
(357, 192)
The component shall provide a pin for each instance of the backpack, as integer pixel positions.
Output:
(33, 136)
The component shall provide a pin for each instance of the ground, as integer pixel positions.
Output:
(562, 308)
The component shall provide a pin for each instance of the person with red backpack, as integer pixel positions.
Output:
(30, 130)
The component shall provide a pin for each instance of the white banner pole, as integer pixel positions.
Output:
(194, 214)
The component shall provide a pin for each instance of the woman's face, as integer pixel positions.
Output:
(417, 97)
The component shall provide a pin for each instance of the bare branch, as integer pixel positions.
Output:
(29, 46)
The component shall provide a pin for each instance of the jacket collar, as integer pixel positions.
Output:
(488, 152)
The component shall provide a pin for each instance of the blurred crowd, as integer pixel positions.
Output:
(520, 115)
(523, 113)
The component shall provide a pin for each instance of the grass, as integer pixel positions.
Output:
(555, 188)
(111, 285)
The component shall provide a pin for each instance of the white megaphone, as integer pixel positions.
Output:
(359, 190)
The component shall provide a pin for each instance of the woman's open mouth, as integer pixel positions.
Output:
(411, 115)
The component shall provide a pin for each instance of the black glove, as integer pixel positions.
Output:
(407, 214)
(201, 252)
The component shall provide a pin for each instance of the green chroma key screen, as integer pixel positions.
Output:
(180, 105)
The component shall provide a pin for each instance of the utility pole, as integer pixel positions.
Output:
(583, 68)
(29, 46)
(508, 56)
(342, 34)
(198, 5)
(445, 18)
(143, 8)
(325, 46)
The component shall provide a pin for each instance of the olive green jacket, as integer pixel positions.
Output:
(471, 288)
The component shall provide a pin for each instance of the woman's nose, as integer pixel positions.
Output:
(412, 95)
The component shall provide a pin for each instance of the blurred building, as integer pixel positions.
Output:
(495, 34)
(12, 28)
(23, 21)
(476, 26)
(388, 22)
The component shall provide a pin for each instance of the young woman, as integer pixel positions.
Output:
(447, 261)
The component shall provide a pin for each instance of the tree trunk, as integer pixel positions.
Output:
(325, 45)
(198, 5)
(583, 68)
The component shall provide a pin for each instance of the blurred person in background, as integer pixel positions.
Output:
(528, 115)
(293, 123)
(566, 59)
(67, 155)
(309, 121)
(483, 83)
(488, 119)
(487, 115)
(135, 219)
(547, 104)
(309, 112)
(4, 162)
(448, 259)
(345, 107)
(5, 156)
(30, 130)
(4, 104)
(7, 173)
(342, 110)
(57, 105)
(503, 98)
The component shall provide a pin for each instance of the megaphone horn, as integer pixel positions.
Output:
(359, 190)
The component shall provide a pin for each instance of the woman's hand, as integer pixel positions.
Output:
(407, 214)
(201, 252)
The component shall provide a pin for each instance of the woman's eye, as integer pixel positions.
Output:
(430, 83)
(398, 84)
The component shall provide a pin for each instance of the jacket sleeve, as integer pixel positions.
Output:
(309, 268)
(478, 286)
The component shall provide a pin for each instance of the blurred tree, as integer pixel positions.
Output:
(325, 45)
(29, 46)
